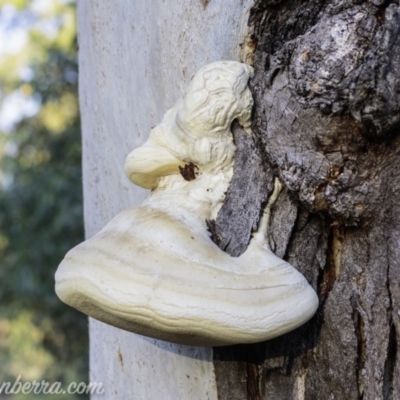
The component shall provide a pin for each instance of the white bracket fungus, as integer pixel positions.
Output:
(154, 270)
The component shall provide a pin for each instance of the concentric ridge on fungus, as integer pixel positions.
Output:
(154, 270)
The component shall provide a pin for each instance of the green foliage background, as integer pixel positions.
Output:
(40, 201)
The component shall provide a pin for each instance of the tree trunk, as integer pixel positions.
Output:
(136, 58)
(326, 88)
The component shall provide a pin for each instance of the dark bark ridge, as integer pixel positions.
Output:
(327, 112)
(252, 179)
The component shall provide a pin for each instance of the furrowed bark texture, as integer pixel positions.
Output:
(252, 179)
(327, 118)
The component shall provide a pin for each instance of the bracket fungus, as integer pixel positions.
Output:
(154, 270)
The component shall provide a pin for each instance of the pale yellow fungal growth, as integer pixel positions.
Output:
(154, 270)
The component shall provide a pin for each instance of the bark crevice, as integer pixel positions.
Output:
(359, 328)
(253, 382)
(390, 363)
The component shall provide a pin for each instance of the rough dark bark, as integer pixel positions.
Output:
(252, 179)
(327, 118)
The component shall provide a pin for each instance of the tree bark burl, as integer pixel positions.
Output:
(326, 122)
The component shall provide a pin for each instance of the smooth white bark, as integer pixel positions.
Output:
(136, 58)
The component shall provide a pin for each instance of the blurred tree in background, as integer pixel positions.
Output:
(40, 191)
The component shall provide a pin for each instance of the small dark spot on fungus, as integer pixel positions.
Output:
(188, 172)
(205, 3)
